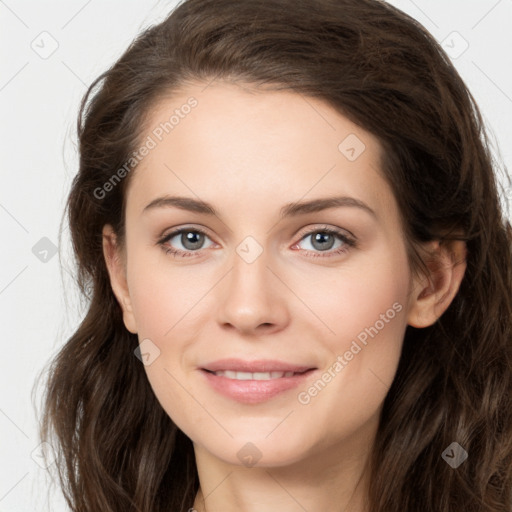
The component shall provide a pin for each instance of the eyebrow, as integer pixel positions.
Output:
(289, 210)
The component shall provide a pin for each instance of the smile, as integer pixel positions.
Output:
(254, 387)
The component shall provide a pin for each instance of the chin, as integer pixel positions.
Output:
(257, 453)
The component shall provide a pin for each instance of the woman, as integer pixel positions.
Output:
(228, 360)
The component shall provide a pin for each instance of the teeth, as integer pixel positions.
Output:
(253, 376)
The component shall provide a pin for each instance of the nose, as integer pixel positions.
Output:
(251, 298)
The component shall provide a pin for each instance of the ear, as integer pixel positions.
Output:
(116, 267)
(432, 294)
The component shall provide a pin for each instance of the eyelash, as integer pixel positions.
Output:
(349, 243)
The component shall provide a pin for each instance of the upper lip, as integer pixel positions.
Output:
(260, 365)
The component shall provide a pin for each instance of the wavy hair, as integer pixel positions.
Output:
(118, 450)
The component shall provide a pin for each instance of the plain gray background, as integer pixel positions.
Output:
(50, 52)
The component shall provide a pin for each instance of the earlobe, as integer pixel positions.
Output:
(432, 294)
(117, 273)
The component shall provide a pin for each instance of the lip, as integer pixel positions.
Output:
(254, 391)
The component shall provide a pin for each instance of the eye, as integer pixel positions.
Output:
(191, 239)
(324, 239)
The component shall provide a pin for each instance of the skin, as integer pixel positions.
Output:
(249, 152)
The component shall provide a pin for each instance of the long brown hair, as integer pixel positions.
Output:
(118, 451)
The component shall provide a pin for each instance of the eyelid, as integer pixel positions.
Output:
(177, 229)
(325, 227)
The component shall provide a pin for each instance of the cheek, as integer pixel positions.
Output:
(369, 292)
(366, 311)
(364, 307)
(160, 294)
(163, 306)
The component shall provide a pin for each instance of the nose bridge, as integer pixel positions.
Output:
(250, 272)
(250, 296)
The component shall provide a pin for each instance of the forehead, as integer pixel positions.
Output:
(225, 143)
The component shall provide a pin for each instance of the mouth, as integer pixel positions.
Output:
(254, 382)
(255, 367)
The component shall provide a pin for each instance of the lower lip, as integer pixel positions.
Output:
(254, 391)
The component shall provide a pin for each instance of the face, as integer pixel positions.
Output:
(297, 264)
